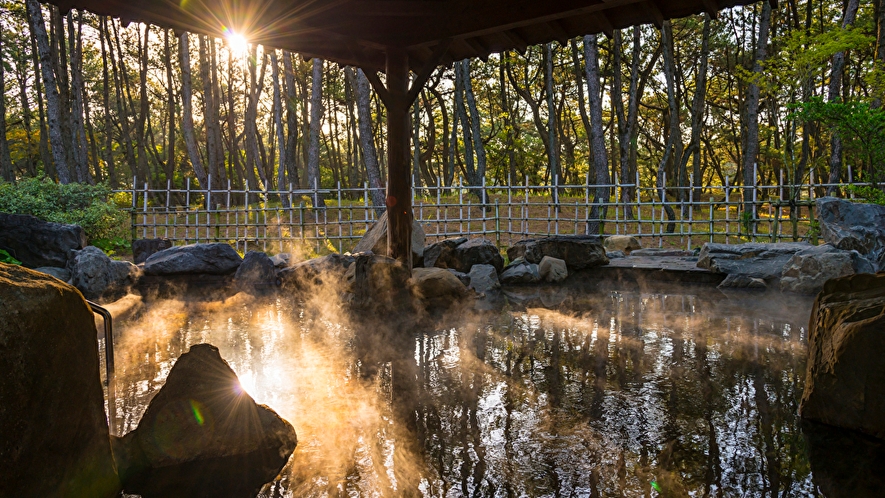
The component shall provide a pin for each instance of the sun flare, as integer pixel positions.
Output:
(237, 43)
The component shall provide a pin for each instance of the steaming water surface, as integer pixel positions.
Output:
(614, 394)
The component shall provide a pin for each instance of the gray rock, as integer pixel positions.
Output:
(437, 284)
(477, 251)
(484, 278)
(853, 226)
(552, 269)
(213, 259)
(622, 243)
(463, 277)
(62, 274)
(53, 432)
(143, 248)
(525, 273)
(200, 419)
(281, 260)
(808, 270)
(578, 251)
(39, 243)
(314, 270)
(98, 276)
(378, 282)
(615, 255)
(757, 260)
(845, 380)
(375, 239)
(256, 273)
(441, 254)
(741, 281)
(654, 252)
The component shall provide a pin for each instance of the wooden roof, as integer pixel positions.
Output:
(356, 32)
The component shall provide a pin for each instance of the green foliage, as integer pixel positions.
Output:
(872, 195)
(860, 126)
(5, 257)
(93, 207)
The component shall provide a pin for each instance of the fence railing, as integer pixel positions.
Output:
(678, 217)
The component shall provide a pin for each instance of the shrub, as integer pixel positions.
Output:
(93, 207)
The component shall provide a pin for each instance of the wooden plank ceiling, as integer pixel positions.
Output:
(356, 32)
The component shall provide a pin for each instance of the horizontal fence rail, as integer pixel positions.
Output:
(675, 217)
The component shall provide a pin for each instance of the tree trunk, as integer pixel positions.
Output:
(461, 113)
(78, 128)
(674, 138)
(123, 109)
(834, 95)
(476, 130)
(316, 116)
(38, 29)
(6, 170)
(291, 120)
(144, 107)
(367, 142)
(553, 150)
(278, 122)
(169, 169)
(597, 137)
(751, 148)
(697, 113)
(187, 116)
(106, 101)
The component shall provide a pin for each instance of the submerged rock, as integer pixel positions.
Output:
(375, 239)
(142, 249)
(578, 251)
(53, 430)
(313, 271)
(39, 243)
(99, 277)
(203, 435)
(741, 281)
(808, 270)
(853, 226)
(845, 380)
(212, 259)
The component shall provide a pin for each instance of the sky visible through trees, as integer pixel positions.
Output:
(795, 89)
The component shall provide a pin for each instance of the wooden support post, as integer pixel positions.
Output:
(399, 178)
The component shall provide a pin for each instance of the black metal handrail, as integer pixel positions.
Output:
(109, 362)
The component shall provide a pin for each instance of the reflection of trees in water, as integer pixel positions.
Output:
(631, 391)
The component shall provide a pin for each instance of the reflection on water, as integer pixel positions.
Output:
(622, 394)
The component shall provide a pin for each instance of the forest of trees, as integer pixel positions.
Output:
(795, 89)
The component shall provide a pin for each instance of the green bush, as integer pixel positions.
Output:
(93, 207)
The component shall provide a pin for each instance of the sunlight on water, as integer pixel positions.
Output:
(629, 393)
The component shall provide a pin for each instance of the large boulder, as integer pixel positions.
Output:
(752, 260)
(142, 249)
(99, 277)
(39, 243)
(578, 251)
(202, 421)
(53, 432)
(477, 251)
(212, 259)
(441, 254)
(256, 273)
(853, 226)
(62, 274)
(623, 243)
(845, 379)
(375, 239)
(807, 270)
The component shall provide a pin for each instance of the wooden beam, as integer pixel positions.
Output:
(376, 83)
(606, 25)
(711, 7)
(652, 9)
(518, 42)
(429, 65)
(559, 33)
